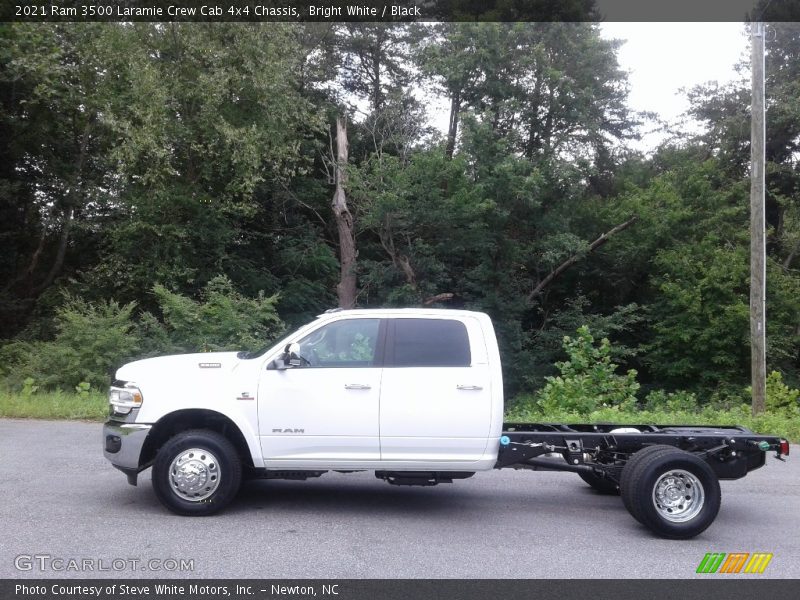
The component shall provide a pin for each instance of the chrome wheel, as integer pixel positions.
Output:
(678, 496)
(194, 474)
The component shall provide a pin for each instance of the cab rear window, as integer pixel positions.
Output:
(428, 343)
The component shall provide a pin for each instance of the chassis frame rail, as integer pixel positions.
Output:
(603, 448)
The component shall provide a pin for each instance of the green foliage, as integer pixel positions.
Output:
(29, 387)
(588, 379)
(770, 423)
(547, 87)
(148, 156)
(543, 347)
(82, 389)
(56, 174)
(780, 397)
(692, 242)
(205, 115)
(567, 399)
(91, 341)
(680, 401)
(222, 319)
(703, 330)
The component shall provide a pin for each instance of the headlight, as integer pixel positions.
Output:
(124, 397)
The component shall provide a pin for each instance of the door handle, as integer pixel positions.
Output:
(468, 387)
(357, 386)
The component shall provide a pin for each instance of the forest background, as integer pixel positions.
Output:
(168, 188)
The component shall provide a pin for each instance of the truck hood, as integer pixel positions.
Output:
(177, 366)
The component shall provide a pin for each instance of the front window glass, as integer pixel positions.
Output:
(347, 343)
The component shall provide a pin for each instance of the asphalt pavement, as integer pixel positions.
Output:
(65, 502)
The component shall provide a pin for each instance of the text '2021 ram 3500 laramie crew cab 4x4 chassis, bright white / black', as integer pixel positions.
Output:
(415, 395)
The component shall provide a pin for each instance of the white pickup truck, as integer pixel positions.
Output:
(415, 395)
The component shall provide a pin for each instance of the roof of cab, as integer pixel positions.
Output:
(401, 312)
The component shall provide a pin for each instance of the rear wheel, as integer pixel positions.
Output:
(673, 493)
(631, 471)
(197, 472)
(604, 485)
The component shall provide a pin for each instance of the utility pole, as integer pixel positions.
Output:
(758, 262)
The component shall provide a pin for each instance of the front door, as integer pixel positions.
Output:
(326, 411)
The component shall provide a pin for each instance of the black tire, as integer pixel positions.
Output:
(604, 485)
(681, 478)
(630, 472)
(211, 477)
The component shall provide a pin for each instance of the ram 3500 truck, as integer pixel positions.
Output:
(415, 395)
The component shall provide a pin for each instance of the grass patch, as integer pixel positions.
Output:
(785, 424)
(54, 405)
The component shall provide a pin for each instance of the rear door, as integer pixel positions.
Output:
(435, 391)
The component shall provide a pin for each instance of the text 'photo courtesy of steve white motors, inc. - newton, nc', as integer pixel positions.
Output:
(212, 10)
(190, 590)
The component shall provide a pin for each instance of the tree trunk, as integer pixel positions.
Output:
(452, 131)
(534, 141)
(74, 199)
(27, 274)
(346, 288)
(61, 253)
(788, 262)
(377, 97)
(400, 261)
(438, 298)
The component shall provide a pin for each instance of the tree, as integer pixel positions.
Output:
(346, 288)
(588, 379)
(725, 113)
(548, 87)
(206, 117)
(686, 263)
(374, 60)
(55, 176)
(451, 58)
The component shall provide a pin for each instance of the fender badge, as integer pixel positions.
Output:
(209, 365)
(245, 396)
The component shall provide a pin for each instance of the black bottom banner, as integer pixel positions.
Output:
(396, 589)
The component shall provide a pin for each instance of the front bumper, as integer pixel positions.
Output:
(122, 445)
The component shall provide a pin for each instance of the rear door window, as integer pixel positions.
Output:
(428, 343)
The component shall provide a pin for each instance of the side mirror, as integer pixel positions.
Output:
(290, 358)
(292, 355)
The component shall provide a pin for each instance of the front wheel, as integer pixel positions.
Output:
(673, 493)
(197, 473)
